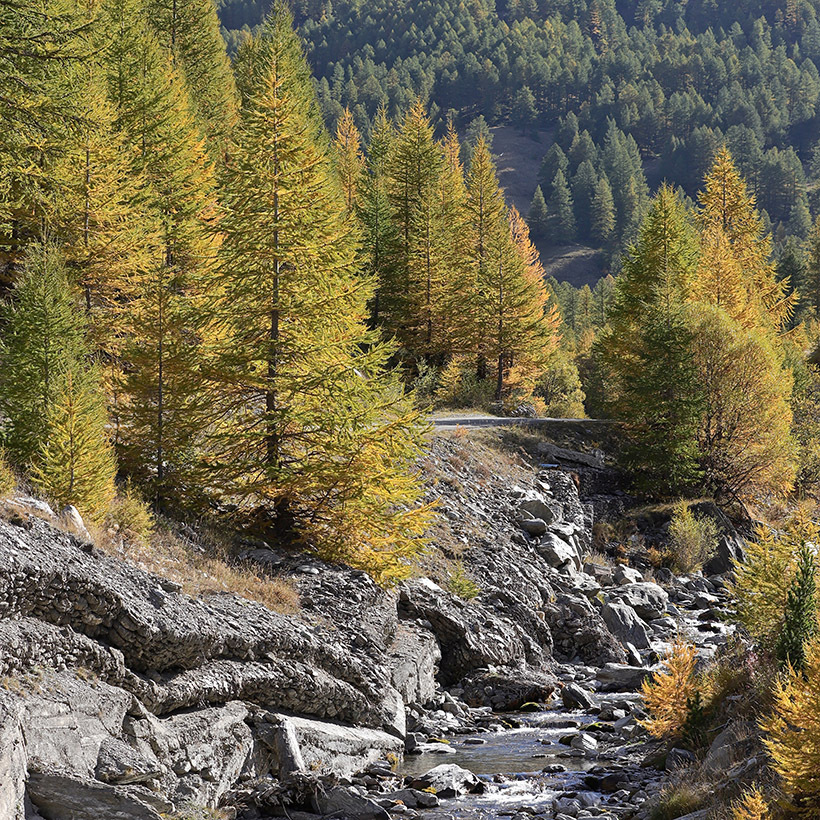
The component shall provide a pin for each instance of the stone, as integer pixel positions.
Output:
(120, 764)
(347, 803)
(620, 677)
(13, 760)
(533, 526)
(558, 553)
(627, 575)
(574, 697)
(73, 522)
(678, 758)
(730, 549)
(584, 742)
(413, 658)
(414, 799)
(448, 780)
(624, 622)
(536, 505)
(647, 599)
(60, 796)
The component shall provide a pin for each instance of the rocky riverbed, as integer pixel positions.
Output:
(123, 697)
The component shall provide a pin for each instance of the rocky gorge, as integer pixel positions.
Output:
(500, 680)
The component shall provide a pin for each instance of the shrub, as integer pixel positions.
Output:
(8, 481)
(692, 539)
(752, 806)
(131, 517)
(461, 584)
(800, 621)
(560, 388)
(762, 583)
(679, 800)
(671, 695)
(459, 386)
(793, 733)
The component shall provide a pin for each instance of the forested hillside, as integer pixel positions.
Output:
(668, 81)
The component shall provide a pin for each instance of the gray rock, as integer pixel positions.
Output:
(558, 553)
(72, 521)
(585, 742)
(533, 526)
(347, 803)
(678, 758)
(619, 677)
(119, 764)
(574, 697)
(414, 799)
(625, 624)
(60, 796)
(13, 760)
(730, 549)
(647, 599)
(627, 575)
(448, 780)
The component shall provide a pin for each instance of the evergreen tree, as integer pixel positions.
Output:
(602, 214)
(75, 464)
(810, 286)
(43, 338)
(562, 219)
(538, 216)
(312, 435)
(524, 111)
(555, 160)
(800, 621)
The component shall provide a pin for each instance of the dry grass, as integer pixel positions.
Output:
(204, 566)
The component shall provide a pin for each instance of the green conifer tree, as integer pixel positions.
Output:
(800, 621)
(602, 217)
(538, 216)
(562, 218)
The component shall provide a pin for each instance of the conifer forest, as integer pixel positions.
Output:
(256, 254)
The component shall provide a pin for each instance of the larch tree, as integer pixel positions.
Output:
(189, 29)
(161, 396)
(350, 163)
(75, 464)
(810, 286)
(312, 436)
(44, 337)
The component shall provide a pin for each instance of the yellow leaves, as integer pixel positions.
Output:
(349, 158)
(793, 734)
(668, 695)
(752, 806)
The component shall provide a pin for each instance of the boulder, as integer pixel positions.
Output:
(625, 624)
(536, 505)
(413, 658)
(13, 762)
(678, 759)
(413, 798)
(72, 521)
(119, 764)
(61, 796)
(533, 526)
(585, 742)
(622, 678)
(574, 697)
(448, 780)
(347, 803)
(730, 549)
(647, 599)
(558, 553)
(627, 575)
(506, 690)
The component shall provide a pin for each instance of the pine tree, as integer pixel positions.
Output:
(75, 464)
(43, 338)
(800, 622)
(349, 159)
(561, 214)
(810, 286)
(312, 436)
(538, 216)
(602, 216)
(583, 192)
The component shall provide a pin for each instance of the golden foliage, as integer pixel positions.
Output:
(668, 695)
(762, 582)
(349, 158)
(793, 734)
(692, 539)
(8, 481)
(752, 806)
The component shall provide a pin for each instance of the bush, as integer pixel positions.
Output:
(560, 388)
(692, 539)
(793, 733)
(8, 481)
(762, 583)
(672, 696)
(458, 385)
(131, 517)
(461, 584)
(752, 806)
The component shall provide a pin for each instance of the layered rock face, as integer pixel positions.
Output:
(123, 697)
